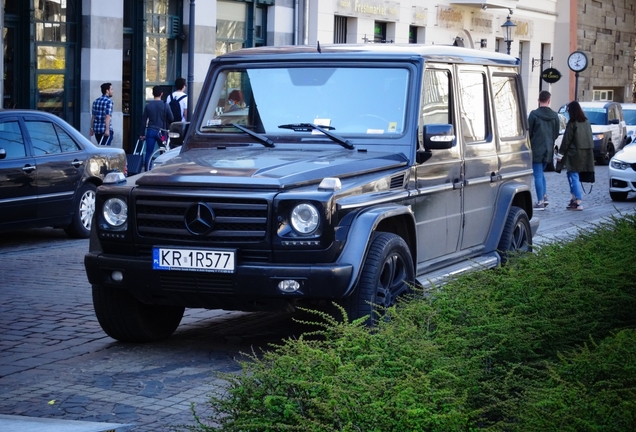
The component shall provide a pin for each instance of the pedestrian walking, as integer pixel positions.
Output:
(180, 98)
(576, 152)
(157, 116)
(102, 114)
(543, 129)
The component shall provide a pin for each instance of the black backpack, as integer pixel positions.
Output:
(175, 107)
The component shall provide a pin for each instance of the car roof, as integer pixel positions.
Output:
(444, 53)
(629, 106)
(597, 104)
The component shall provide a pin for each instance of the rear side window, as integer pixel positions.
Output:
(11, 140)
(67, 143)
(43, 138)
(507, 103)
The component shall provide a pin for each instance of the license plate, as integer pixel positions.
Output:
(204, 260)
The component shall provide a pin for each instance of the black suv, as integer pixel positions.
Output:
(339, 174)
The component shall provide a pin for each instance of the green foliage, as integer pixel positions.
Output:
(545, 343)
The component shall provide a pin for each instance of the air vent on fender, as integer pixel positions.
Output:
(397, 182)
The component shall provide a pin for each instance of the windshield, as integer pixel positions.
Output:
(349, 100)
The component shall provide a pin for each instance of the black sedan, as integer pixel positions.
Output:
(49, 173)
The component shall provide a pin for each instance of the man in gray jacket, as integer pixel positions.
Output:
(543, 129)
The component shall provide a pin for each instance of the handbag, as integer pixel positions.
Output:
(586, 177)
(558, 167)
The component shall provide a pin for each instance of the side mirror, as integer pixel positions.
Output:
(614, 121)
(177, 133)
(439, 136)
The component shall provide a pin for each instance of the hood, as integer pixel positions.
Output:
(546, 113)
(254, 168)
(627, 154)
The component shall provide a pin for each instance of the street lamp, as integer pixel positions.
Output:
(508, 27)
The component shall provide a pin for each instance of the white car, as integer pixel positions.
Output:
(608, 128)
(622, 173)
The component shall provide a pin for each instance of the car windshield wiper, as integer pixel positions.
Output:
(262, 138)
(305, 127)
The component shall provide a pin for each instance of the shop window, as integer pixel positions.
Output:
(162, 29)
(379, 32)
(230, 26)
(412, 34)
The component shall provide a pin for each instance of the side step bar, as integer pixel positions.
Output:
(441, 276)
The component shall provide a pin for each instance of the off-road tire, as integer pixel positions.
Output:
(126, 319)
(83, 210)
(517, 234)
(387, 273)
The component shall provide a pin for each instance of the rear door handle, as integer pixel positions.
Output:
(28, 168)
(494, 177)
(77, 163)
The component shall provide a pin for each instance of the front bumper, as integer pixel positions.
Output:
(622, 180)
(250, 287)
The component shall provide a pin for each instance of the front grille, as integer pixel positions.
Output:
(236, 219)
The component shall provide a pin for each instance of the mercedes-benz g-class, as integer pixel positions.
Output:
(342, 173)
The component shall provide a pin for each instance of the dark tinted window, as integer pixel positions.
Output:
(67, 143)
(11, 140)
(43, 138)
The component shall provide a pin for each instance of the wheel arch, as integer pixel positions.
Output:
(396, 219)
(510, 194)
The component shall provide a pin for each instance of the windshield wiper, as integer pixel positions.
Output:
(305, 127)
(262, 138)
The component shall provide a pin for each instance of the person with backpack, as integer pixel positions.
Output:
(178, 100)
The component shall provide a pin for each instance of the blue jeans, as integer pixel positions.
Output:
(575, 185)
(539, 179)
(152, 136)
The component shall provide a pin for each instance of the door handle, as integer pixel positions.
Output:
(494, 177)
(77, 163)
(28, 168)
(458, 184)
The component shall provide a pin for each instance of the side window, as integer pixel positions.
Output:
(43, 138)
(11, 140)
(68, 145)
(612, 115)
(506, 100)
(436, 107)
(472, 90)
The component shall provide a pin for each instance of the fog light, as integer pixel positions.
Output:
(288, 286)
(117, 276)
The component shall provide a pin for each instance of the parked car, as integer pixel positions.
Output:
(622, 173)
(608, 127)
(49, 173)
(629, 112)
(315, 200)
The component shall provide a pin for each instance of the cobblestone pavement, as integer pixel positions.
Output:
(56, 363)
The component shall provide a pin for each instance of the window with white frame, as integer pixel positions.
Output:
(603, 95)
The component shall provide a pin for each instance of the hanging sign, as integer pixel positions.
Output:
(551, 75)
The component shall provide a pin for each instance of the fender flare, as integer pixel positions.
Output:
(511, 193)
(364, 224)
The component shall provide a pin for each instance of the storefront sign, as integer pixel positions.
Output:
(450, 18)
(524, 29)
(481, 22)
(551, 75)
(420, 16)
(389, 10)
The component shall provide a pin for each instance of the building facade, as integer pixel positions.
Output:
(58, 52)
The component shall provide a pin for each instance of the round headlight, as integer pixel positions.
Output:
(305, 218)
(115, 211)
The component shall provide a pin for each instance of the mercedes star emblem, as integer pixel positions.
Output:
(199, 219)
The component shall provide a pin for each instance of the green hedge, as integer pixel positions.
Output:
(546, 343)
